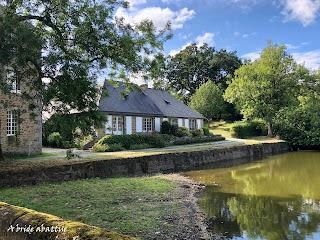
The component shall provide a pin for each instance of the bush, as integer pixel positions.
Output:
(206, 131)
(197, 132)
(245, 129)
(167, 128)
(55, 140)
(132, 141)
(204, 139)
(139, 146)
(98, 147)
(183, 132)
(81, 142)
(114, 147)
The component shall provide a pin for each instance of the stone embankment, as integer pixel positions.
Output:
(138, 166)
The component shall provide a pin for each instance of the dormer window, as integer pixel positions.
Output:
(167, 101)
(13, 81)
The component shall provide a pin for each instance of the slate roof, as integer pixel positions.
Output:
(147, 102)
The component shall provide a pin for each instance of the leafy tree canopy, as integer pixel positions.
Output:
(262, 88)
(65, 45)
(195, 65)
(208, 100)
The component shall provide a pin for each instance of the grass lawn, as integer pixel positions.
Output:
(224, 129)
(134, 206)
(32, 156)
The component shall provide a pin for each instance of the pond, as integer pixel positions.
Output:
(274, 199)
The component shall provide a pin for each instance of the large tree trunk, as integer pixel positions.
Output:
(270, 132)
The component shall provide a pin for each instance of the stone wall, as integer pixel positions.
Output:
(41, 226)
(29, 139)
(137, 166)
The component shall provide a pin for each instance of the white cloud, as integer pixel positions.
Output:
(207, 38)
(291, 46)
(304, 11)
(252, 55)
(133, 3)
(310, 59)
(159, 16)
(176, 51)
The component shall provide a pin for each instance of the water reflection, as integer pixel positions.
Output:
(274, 200)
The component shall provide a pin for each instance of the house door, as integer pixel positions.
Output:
(117, 125)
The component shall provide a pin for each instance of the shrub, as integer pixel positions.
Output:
(212, 138)
(197, 132)
(114, 147)
(139, 146)
(245, 129)
(131, 141)
(206, 131)
(183, 132)
(98, 147)
(81, 142)
(167, 128)
(55, 140)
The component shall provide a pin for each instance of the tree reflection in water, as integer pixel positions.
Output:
(277, 199)
(255, 217)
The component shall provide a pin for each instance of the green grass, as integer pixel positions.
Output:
(134, 206)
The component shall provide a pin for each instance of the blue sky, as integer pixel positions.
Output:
(244, 26)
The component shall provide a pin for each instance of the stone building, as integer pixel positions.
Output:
(143, 110)
(20, 116)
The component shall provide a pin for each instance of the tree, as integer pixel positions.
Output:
(262, 88)
(78, 40)
(208, 100)
(299, 124)
(195, 65)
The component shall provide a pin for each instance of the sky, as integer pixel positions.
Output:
(244, 26)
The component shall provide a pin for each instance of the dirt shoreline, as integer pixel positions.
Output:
(191, 221)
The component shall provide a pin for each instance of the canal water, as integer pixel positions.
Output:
(274, 199)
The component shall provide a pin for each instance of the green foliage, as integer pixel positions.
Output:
(183, 132)
(74, 128)
(114, 147)
(167, 128)
(206, 131)
(139, 146)
(131, 141)
(208, 100)
(79, 39)
(194, 65)
(99, 147)
(70, 154)
(197, 133)
(203, 139)
(245, 129)
(80, 142)
(299, 125)
(262, 88)
(55, 140)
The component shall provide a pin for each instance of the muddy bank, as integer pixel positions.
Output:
(190, 223)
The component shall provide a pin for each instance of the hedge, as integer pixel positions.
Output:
(245, 129)
(203, 139)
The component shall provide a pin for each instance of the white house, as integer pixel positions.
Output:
(142, 110)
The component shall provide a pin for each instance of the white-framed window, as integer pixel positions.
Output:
(12, 123)
(13, 81)
(192, 124)
(174, 121)
(117, 124)
(147, 124)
